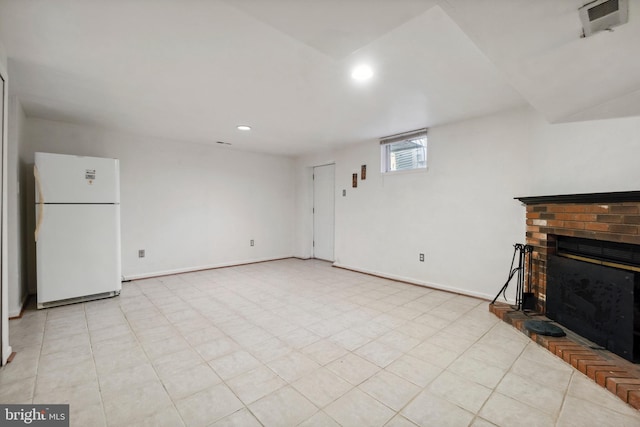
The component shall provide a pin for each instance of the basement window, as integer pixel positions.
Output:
(404, 152)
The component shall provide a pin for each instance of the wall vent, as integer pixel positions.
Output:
(601, 15)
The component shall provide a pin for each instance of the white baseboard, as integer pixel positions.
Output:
(413, 281)
(199, 268)
(14, 313)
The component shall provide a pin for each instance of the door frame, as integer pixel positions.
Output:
(313, 215)
(5, 349)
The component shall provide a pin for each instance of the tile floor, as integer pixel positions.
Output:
(290, 343)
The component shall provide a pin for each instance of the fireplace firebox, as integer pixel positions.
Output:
(593, 288)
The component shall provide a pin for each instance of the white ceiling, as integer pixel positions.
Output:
(192, 70)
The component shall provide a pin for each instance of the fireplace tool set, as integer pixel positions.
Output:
(524, 300)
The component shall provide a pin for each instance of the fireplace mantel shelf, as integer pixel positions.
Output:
(610, 197)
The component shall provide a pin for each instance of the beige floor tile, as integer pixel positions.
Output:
(242, 418)
(23, 366)
(350, 339)
(501, 356)
(322, 387)
(477, 371)
(440, 352)
(555, 375)
(434, 354)
(167, 417)
(353, 368)
(399, 340)
(216, 348)
(319, 419)
(417, 330)
(371, 330)
(83, 395)
(579, 412)
(481, 422)
(293, 366)
(255, 384)
(127, 378)
(189, 381)
(585, 388)
(208, 406)
(175, 362)
(428, 409)
(20, 391)
(460, 391)
(107, 363)
(234, 364)
(77, 374)
(324, 351)
(109, 332)
(356, 409)
(379, 353)
(531, 393)
(270, 349)
(63, 343)
(136, 404)
(505, 411)
(157, 349)
(159, 333)
(399, 421)
(390, 389)
(202, 335)
(414, 370)
(455, 343)
(87, 415)
(299, 338)
(285, 407)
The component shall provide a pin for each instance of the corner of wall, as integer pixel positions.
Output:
(3, 57)
(17, 284)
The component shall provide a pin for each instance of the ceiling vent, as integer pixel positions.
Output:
(601, 15)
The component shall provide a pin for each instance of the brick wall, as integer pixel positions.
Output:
(617, 222)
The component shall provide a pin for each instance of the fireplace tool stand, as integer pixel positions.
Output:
(524, 300)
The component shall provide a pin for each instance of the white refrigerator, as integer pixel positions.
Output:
(77, 228)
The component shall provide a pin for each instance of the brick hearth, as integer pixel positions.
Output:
(612, 372)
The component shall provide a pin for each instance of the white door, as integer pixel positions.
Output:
(5, 350)
(323, 211)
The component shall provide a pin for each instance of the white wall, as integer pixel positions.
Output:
(461, 212)
(586, 157)
(190, 206)
(17, 283)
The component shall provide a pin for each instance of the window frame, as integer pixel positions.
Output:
(385, 151)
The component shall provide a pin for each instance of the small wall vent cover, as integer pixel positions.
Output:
(602, 15)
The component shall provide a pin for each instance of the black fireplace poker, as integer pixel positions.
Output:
(524, 300)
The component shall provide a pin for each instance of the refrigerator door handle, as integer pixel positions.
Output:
(36, 175)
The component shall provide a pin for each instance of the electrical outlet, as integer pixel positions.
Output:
(344, 193)
(141, 253)
(421, 257)
(252, 242)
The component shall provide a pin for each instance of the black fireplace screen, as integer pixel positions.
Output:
(597, 302)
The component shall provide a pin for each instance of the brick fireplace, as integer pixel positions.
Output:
(611, 217)
(612, 221)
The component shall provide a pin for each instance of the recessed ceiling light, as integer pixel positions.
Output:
(362, 72)
(243, 127)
